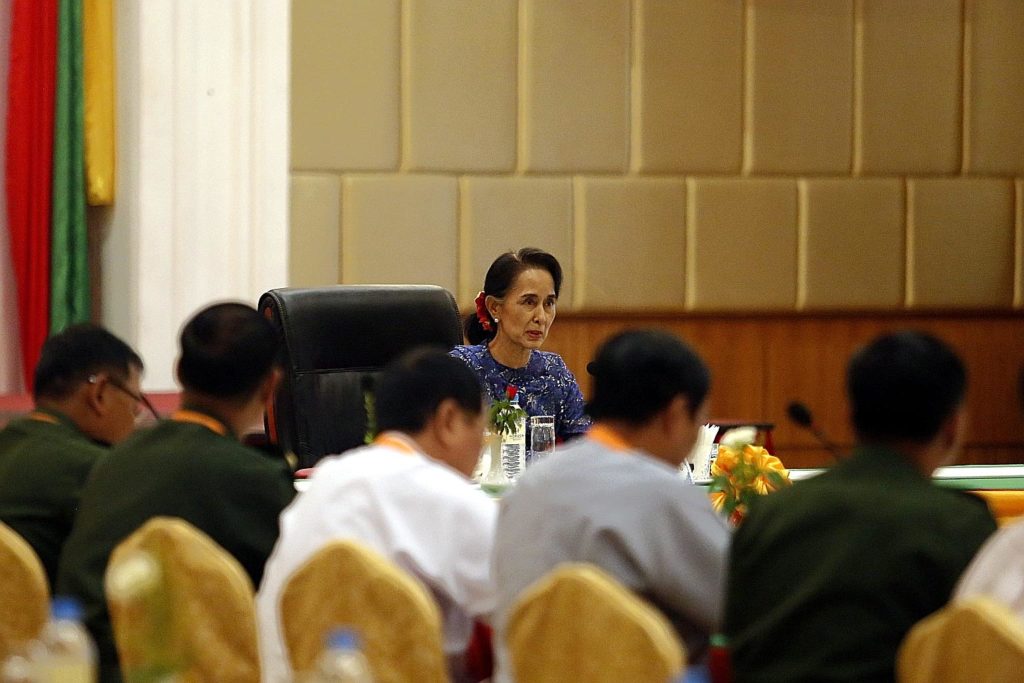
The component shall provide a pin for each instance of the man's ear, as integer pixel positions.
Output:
(443, 422)
(955, 428)
(270, 385)
(95, 394)
(675, 414)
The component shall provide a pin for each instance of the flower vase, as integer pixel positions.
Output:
(494, 481)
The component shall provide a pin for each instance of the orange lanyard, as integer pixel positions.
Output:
(608, 437)
(214, 425)
(396, 442)
(43, 417)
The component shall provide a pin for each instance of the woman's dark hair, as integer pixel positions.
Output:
(637, 373)
(500, 277)
(409, 390)
(903, 386)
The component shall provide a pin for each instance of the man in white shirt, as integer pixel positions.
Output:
(406, 496)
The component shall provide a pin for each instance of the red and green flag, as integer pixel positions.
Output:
(59, 151)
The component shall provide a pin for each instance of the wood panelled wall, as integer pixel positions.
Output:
(760, 363)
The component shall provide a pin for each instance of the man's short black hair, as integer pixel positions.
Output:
(903, 386)
(410, 389)
(80, 351)
(637, 374)
(227, 349)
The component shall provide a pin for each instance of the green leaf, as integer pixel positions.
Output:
(370, 406)
(504, 416)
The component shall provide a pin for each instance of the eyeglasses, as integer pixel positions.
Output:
(139, 398)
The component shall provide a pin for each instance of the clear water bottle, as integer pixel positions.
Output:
(513, 445)
(17, 668)
(342, 661)
(65, 651)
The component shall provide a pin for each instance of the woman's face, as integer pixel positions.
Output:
(528, 309)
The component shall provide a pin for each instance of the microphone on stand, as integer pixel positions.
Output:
(800, 414)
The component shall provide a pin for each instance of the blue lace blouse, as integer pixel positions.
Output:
(546, 386)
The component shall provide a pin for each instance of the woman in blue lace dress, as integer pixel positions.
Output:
(513, 315)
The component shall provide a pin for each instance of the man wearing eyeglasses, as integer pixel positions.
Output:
(86, 394)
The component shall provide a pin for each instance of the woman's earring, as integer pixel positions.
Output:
(495, 320)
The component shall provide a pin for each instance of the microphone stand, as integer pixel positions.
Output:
(801, 416)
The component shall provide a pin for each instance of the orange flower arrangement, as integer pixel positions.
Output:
(740, 473)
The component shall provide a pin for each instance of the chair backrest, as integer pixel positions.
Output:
(333, 337)
(578, 623)
(997, 570)
(179, 603)
(976, 639)
(24, 593)
(347, 584)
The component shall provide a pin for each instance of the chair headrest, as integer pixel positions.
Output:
(359, 326)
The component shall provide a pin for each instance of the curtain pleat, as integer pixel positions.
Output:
(29, 166)
(69, 248)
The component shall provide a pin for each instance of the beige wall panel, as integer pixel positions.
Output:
(315, 230)
(743, 244)
(799, 86)
(634, 236)
(962, 242)
(345, 84)
(854, 252)
(690, 86)
(575, 106)
(399, 229)
(910, 90)
(460, 95)
(996, 86)
(505, 214)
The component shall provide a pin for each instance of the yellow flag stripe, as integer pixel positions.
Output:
(98, 44)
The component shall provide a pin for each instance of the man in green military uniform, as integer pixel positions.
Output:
(827, 577)
(86, 394)
(190, 466)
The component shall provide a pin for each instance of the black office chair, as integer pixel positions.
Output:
(333, 338)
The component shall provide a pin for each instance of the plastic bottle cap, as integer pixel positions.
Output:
(64, 607)
(343, 639)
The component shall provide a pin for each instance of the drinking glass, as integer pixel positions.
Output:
(542, 436)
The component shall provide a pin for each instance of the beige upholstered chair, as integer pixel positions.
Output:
(997, 570)
(180, 603)
(579, 624)
(976, 639)
(24, 594)
(347, 584)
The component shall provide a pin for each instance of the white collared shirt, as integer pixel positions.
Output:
(416, 511)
